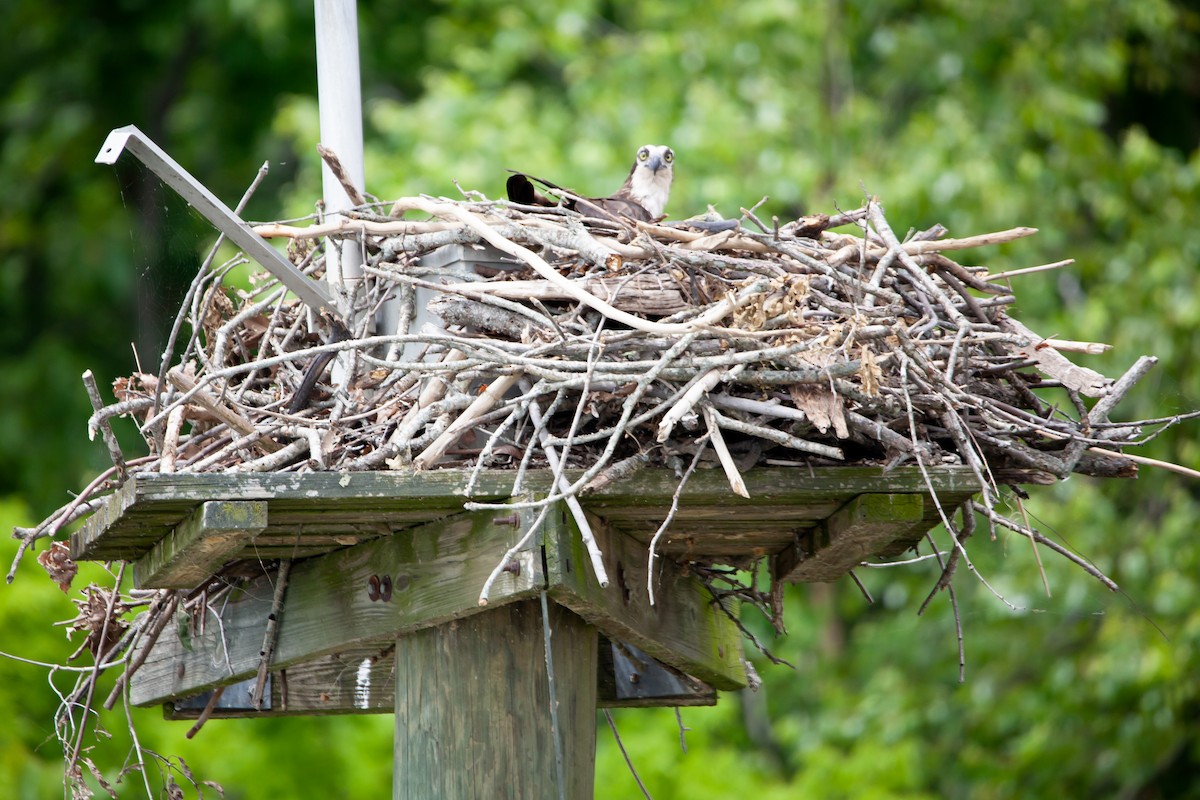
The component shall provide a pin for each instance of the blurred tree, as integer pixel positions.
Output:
(1077, 117)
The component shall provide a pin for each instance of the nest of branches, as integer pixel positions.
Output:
(487, 335)
(530, 336)
(605, 340)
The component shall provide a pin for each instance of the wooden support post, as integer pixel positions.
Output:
(473, 714)
(201, 544)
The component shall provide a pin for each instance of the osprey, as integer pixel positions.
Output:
(643, 196)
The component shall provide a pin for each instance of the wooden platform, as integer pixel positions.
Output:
(313, 513)
(381, 555)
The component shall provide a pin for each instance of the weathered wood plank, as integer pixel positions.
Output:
(147, 507)
(363, 682)
(111, 515)
(684, 628)
(436, 572)
(201, 544)
(860, 529)
(780, 486)
(474, 707)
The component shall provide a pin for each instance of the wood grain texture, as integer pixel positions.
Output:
(684, 628)
(199, 546)
(473, 708)
(436, 572)
(362, 681)
(857, 531)
(317, 512)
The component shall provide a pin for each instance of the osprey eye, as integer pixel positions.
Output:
(643, 154)
(669, 156)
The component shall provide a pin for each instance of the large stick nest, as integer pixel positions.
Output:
(606, 346)
(606, 341)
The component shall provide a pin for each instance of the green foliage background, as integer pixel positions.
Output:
(1078, 117)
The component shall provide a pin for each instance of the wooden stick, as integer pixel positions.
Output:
(1090, 348)
(736, 483)
(219, 410)
(486, 400)
(1049, 543)
(335, 166)
(160, 612)
(779, 437)
(271, 633)
(684, 405)
(349, 227)
(170, 449)
(982, 240)
(110, 439)
(571, 498)
(209, 708)
(706, 320)
(1028, 270)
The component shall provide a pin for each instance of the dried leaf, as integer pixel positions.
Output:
(56, 560)
(870, 375)
(824, 408)
(103, 631)
(99, 777)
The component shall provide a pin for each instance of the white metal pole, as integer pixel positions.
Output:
(339, 97)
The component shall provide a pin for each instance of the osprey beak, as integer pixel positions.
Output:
(655, 163)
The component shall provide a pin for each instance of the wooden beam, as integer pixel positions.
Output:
(361, 681)
(433, 573)
(147, 507)
(332, 509)
(855, 532)
(478, 716)
(684, 629)
(201, 544)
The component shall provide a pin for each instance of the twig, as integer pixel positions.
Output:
(160, 612)
(101, 654)
(486, 400)
(110, 439)
(220, 411)
(736, 483)
(271, 633)
(1048, 543)
(571, 498)
(779, 437)
(652, 553)
(335, 166)
(1028, 270)
(625, 754)
(209, 708)
(684, 405)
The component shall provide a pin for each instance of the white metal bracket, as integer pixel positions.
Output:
(129, 138)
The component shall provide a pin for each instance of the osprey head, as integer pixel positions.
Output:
(649, 182)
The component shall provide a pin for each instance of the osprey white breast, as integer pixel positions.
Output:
(649, 182)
